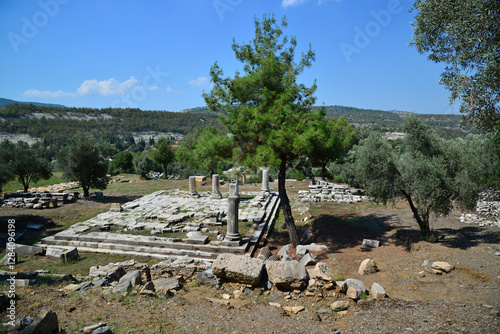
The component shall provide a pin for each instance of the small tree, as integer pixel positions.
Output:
(430, 174)
(212, 148)
(329, 140)
(164, 155)
(143, 164)
(123, 162)
(81, 160)
(21, 160)
(265, 109)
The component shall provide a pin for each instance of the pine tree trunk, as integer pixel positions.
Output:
(165, 170)
(285, 206)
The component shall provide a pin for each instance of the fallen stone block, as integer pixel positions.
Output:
(134, 277)
(377, 291)
(341, 305)
(62, 254)
(89, 328)
(322, 271)
(307, 260)
(442, 266)
(163, 286)
(238, 268)
(287, 275)
(122, 288)
(9, 259)
(46, 323)
(371, 243)
(367, 267)
(353, 283)
(29, 250)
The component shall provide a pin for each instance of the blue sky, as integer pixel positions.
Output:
(156, 55)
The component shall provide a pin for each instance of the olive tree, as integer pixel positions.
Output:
(431, 174)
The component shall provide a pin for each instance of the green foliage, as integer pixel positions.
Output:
(265, 109)
(20, 160)
(143, 164)
(431, 173)
(207, 149)
(82, 160)
(122, 163)
(328, 141)
(164, 155)
(464, 35)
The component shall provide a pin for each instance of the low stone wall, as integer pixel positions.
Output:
(323, 191)
(42, 200)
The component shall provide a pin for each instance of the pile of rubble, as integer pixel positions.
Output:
(488, 203)
(475, 219)
(43, 199)
(322, 191)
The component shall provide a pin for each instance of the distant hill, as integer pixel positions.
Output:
(38, 104)
(447, 126)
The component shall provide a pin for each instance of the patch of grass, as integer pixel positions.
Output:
(14, 185)
(339, 277)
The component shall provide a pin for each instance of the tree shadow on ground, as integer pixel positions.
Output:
(112, 199)
(28, 235)
(347, 231)
(467, 237)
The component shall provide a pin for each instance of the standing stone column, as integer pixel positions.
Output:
(265, 181)
(215, 187)
(233, 237)
(192, 187)
(234, 189)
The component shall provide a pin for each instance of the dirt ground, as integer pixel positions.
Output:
(467, 300)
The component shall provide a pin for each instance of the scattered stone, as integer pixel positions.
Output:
(9, 259)
(148, 289)
(164, 286)
(287, 275)
(219, 301)
(102, 330)
(89, 328)
(367, 267)
(322, 271)
(443, 267)
(45, 323)
(134, 277)
(353, 293)
(122, 288)
(284, 251)
(278, 305)
(264, 253)
(226, 296)
(115, 207)
(341, 305)
(377, 291)
(355, 284)
(62, 254)
(371, 243)
(237, 268)
(29, 250)
(307, 259)
(294, 309)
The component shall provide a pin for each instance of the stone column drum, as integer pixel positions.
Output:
(215, 187)
(233, 237)
(192, 186)
(265, 181)
(234, 189)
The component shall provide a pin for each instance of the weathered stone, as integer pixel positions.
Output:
(45, 323)
(371, 243)
(237, 268)
(22, 282)
(115, 207)
(367, 267)
(294, 309)
(322, 271)
(287, 275)
(340, 305)
(377, 291)
(102, 330)
(233, 237)
(353, 293)
(62, 254)
(192, 187)
(265, 181)
(307, 260)
(215, 187)
(148, 289)
(29, 250)
(134, 277)
(284, 251)
(122, 287)
(207, 277)
(264, 253)
(9, 259)
(163, 286)
(352, 283)
(442, 266)
(89, 328)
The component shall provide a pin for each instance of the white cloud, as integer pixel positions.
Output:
(201, 81)
(155, 89)
(171, 90)
(110, 87)
(287, 3)
(46, 93)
